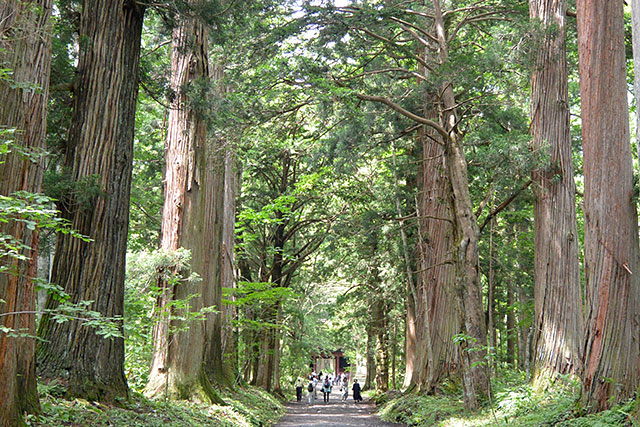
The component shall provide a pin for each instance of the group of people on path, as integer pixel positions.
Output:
(327, 386)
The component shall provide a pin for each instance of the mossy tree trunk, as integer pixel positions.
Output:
(187, 358)
(25, 47)
(99, 153)
(466, 234)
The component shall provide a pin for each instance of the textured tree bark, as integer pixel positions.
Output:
(466, 235)
(466, 232)
(186, 362)
(25, 47)
(101, 146)
(558, 324)
(635, 30)
(612, 345)
(437, 309)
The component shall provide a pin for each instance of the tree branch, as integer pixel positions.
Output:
(504, 204)
(399, 109)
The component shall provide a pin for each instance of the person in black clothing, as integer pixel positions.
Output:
(299, 389)
(356, 391)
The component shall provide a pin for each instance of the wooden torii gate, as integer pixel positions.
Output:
(338, 364)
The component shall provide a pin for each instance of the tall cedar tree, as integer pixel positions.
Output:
(100, 149)
(612, 347)
(558, 315)
(437, 306)
(465, 229)
(186, 362)
(635, 26)
(25, 48)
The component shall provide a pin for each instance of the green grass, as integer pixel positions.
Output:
(515, 403)
(246, 407)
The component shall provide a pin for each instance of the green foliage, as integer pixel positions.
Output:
(35, 212)
(515, 404)
(146, 271)
(256, 294)
(421, 410)
(146, 187)
(72, 194)
(246, 407)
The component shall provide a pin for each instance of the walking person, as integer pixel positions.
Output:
(345, 389)
(299, 389)
(357, 397)
(326, 389)
(310, 392)
(315, 386)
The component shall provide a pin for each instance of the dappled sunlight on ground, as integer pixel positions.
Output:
(334, 413)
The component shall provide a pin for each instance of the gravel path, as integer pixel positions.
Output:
(334, 413)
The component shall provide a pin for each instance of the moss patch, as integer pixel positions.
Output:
(245, 407)
(514, 403)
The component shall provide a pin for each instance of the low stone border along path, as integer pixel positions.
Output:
(334, 413)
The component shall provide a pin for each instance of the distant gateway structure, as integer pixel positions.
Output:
(333, 362)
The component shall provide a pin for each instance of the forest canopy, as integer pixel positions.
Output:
(200, 196)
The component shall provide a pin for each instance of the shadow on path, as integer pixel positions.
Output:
(334, 413)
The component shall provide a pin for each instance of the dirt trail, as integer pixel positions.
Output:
(334, 413)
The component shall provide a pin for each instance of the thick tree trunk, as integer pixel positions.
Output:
(100, 146)
(475, 376)
(25, 47)
(612, 345)
(558, 316)
(186, 362)
(635, 27)
(267, 363)
(437, 308)
(466, 234)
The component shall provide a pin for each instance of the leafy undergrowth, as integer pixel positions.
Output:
(246, 407)
(514, 404)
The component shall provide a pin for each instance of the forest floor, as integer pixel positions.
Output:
(245, 407)
(334, 413)
(515, 403)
